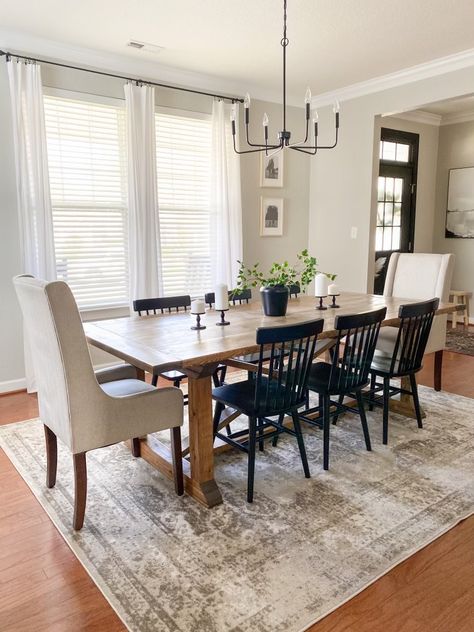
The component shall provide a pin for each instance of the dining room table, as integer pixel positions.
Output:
(162, 342)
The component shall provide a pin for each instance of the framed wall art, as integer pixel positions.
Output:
(460, 206)
(271, 217)
(271, 170)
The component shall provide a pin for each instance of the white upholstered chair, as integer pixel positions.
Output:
(420, 276)
(88, 410)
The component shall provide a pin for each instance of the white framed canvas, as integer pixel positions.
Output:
(271, 217)
(271, 170)
(460, 206)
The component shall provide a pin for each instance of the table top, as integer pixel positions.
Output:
(165, 341)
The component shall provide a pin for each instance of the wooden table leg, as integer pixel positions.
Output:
(404, 405)
(202, 484)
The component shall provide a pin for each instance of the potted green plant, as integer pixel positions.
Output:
(275, 285)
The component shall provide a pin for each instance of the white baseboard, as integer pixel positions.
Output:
(9, 386)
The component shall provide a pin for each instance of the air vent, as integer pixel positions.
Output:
(145, 46)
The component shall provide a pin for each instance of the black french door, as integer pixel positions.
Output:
(396, 199)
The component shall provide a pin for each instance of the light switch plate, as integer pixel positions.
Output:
(354, 232)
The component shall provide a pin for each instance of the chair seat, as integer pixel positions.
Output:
(122, 388)
(381, 364)
(319, 380)
(241, 395)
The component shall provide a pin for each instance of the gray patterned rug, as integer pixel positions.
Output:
(460, 340)
(302, 549)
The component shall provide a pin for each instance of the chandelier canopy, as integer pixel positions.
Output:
(284, 135)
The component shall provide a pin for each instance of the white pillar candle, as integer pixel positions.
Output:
(321, 284)
(198, 306)
(222, 297)
(333, 289)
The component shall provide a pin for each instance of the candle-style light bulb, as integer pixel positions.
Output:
(265, 120)
(336, 108)
(247, 101)
(307, 96)
(233, 112)
(315, 123)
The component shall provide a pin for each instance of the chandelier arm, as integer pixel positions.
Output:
(263, 146)
(252, 151)
(333, 145)
(305, 138)
(311, 151)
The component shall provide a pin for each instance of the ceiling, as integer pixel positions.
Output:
(451, 106)
(333, 43)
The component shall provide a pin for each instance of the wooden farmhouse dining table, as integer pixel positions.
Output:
(161, 342)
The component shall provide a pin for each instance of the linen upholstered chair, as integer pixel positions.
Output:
(279, 388)
(84, 409)
(420, 276)
(405, 360)
(346, 374)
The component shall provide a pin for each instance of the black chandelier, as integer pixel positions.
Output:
(285, 135)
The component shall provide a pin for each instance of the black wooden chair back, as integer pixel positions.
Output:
(162, 304)
(413, 333)
(281, 385)
(294, 290)
(234, 297)
(354, 349)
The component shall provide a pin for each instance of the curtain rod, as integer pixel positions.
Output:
(8, 55)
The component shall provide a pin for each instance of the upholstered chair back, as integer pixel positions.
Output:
(422, 276)
(67, 387)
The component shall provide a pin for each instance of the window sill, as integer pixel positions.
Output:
(104, 313)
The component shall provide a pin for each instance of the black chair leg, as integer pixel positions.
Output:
(373, 382)
(438, 368)
(260, 435)
(340, 400)
(154, 380)
(326, 425)
(299, 437)
(217, 416)
(251, 462)
(416, 401)
(275, 438)
(386, 403)
(363, 420)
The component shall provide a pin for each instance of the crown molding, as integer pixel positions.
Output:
(136, 67)
(419, 116)
(457, 117)
(434, 68)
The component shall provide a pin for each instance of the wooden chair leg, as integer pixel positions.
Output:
(438, 366)
(386, 404)
(416, 401)
(363, 420)
(251, 460)
(51, 456)
(326, 427)
(80, 489)
(176, 454)
(301, 446)
(136, 449)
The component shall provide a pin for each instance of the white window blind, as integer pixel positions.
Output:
(88, 177)
(183, 148)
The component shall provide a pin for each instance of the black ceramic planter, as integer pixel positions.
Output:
(274, 300)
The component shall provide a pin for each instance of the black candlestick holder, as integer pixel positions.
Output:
(198, 323)
(223, 321)
(321, 306)
(333, 304)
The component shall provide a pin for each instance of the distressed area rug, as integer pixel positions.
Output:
(460, 340)
(300, 550)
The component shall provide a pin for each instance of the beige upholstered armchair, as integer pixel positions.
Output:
(84, 409)
(420, 276)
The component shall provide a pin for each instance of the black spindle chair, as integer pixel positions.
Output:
(169, 304)
(347, 373)
(295, 289)
(278, 388)
(235, 297)
(406, 359)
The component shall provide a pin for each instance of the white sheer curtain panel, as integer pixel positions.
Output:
(32, 180)
(143, 222)
(226, 204)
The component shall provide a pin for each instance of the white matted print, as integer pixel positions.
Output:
(271, 217)
(271, 170)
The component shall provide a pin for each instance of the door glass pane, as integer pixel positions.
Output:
(388, 218)
(402, 152)
(397, 215)
(387, 239)
(380, 207)
(389, 150)
(389, 183)
(378, 238)
(381, 189)
(398, 189)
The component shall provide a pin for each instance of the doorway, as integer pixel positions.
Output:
(396, 199)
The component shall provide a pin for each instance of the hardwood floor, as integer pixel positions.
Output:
(43, 587)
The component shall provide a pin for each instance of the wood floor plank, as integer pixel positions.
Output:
(44, 588)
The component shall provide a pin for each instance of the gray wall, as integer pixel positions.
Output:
(342, 187)
(456, 149)
(265, 250)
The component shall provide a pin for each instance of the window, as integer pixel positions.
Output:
(399, 152)
(88, 180)
(183, 151)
